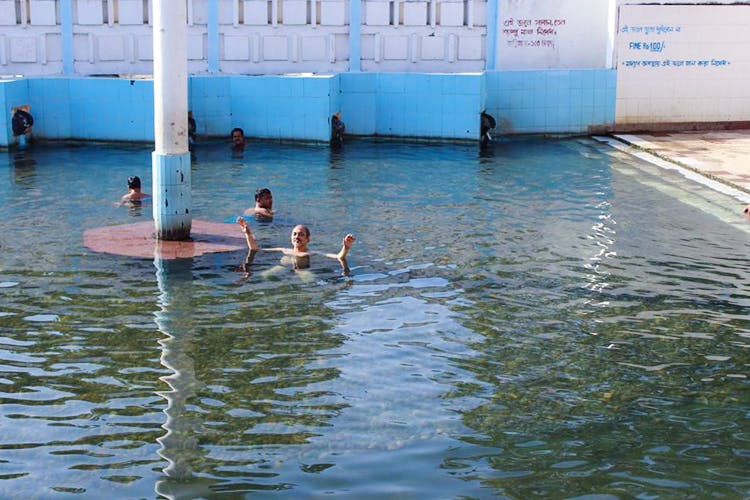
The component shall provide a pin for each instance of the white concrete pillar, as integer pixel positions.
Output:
(170, 161)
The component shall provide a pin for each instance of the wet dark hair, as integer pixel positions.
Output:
(134, 182)
(305, 228)
(237, 129)
(261, 192)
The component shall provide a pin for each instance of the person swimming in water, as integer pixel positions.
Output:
(134, 190)
(299, 254)
(238, 139)
(263, 204)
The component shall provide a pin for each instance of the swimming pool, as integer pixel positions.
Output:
(553, 318)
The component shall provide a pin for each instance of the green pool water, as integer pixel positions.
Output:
(551, 319)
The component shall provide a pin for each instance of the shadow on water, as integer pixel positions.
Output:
(24, 166)
(336, 156)
(486, 152)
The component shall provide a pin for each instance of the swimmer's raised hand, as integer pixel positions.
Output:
(243, 224)
(249, 236)
(346, 244)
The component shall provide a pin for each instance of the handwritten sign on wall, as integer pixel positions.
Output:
(539, 34)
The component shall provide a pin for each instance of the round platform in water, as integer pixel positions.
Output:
(138, 240)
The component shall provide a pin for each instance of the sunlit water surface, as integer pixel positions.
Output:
(550, 319)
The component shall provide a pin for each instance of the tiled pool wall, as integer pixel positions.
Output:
(299, 107)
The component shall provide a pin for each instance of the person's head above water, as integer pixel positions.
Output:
(238, 137)
(300, 237)
(264, 198)
(134, 190)
(263, 204)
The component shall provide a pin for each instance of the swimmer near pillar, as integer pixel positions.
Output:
(172, 234)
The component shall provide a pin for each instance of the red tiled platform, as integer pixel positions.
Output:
(137, 240)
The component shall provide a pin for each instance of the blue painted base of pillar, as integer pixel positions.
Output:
(172, 197)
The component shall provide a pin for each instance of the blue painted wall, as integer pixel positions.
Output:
(359, 102)
(211, 104)
(12, 93)
(92, 108)
(269, 107)
(431, 105)
(552, 101)
(412, 104)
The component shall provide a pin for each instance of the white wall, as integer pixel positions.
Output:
(29, 36)
(544, 34)
(254, 36)
(424, 36)
(679, 64)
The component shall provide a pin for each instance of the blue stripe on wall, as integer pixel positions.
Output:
(492, 20)
(213, 36)
(66, 28)
(355, 35)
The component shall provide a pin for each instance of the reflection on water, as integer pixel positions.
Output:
(545, 318)
(180, 443)
(23, 166)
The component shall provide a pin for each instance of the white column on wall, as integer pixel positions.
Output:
(255, 47)
(90, 40)
(24, 12)
(132, 45)
(294, 48)
(378, 47)
(110, 13)
(42, 50)
(612, 25)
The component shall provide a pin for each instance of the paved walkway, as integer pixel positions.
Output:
(723, 156)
